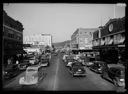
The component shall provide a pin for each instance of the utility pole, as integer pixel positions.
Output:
(101, 20)
(114, 10)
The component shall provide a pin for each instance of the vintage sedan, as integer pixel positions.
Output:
(32, 76)
(98, 66)
(11, 71)
(77, 69)
(115, 73)
(33, 61)
(24, 64)
(44, 61)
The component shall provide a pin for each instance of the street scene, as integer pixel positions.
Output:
(88, 58)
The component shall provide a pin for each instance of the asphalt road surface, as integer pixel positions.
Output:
(58, 78)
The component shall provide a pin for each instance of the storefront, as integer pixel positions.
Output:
(111, 43)
(12, 43)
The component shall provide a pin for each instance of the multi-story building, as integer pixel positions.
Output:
(109, 40)
(12, 37)
(40, 39)
(82, 38)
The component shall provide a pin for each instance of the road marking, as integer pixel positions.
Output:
(56, 74)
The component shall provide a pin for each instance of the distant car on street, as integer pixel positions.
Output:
(115, 73)
(33, 61)
(98, 66)
(77, 69)
(44, 61)
(24, 65)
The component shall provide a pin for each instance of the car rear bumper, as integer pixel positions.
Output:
(76, 74)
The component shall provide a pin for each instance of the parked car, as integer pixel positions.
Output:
(89, 61)
(77, 69)
(44, 61)
(24, 64)
(115, 73)
(33, 61)
(11, 71)
(97, 66)
(32, 76)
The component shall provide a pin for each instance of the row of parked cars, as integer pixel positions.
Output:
(112, 72)
(115, 73)
(13, 70)
(34, 74)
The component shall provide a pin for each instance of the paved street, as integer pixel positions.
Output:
(58, 78)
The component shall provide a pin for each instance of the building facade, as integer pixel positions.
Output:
(40, 39)
(82, 38)
(110, 40)
(12, 37)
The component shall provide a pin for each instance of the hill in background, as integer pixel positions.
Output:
(61, 44)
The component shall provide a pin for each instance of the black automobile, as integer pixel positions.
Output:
(69, 58)
(11, 71)
(77, 69)
(98, 66)
(89, 61)
(114, 73)
(44, 61)
(24, 64)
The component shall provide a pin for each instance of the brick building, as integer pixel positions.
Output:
(82, 38)
(12, 43)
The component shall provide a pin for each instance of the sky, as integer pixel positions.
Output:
(60, 19)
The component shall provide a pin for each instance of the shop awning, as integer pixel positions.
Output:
(119, 38)
(102, 41)
(122, 39)
(110, 41)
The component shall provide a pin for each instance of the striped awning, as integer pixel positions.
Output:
(110, 41)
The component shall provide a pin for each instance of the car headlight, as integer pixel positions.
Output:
(121, 79)
(99, 69)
